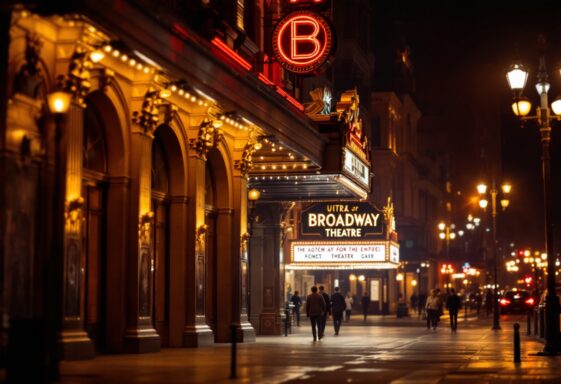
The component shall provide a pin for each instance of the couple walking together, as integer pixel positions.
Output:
(319, 306)
(434, 306)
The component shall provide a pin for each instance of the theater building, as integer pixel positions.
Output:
(131, 133)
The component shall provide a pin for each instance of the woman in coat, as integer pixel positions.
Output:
(433, 306)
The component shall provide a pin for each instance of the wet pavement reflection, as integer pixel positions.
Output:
(382, 350)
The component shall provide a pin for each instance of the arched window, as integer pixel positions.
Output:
(94, 151)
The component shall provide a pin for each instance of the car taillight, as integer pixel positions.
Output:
(504, 301)
(530, 301)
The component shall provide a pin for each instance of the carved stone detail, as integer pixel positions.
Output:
(209, 136)
(149, 115)
(28, 80)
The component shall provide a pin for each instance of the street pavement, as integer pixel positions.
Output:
(380, 350)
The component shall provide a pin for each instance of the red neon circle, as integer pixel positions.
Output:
(303, 41)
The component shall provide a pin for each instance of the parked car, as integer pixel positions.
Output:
(517, 302)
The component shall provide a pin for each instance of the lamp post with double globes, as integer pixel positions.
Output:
(483, 203)
(517, 77)
(447, 233)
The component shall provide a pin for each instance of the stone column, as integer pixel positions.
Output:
(240, 275)
(75, 343)
(140, 335)
(196, 332)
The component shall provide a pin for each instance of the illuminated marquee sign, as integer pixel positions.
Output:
(338, 252)
(357, 169)
(345, 220)
(343, 255)
(303, 41)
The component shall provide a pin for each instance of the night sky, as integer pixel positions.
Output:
(461, 51)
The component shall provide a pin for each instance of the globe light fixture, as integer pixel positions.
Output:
(522, 106)
(517, 77)
(59, 102)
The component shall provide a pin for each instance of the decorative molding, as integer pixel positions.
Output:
(148, 118)
(245, 164)
(321, 102)
(78, 80)
(200, 236)
(73, 214)
(209, 136)
(244, 241)
(145, 228)
(28, 80)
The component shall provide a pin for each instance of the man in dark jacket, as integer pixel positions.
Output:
(315, 308)
(337, 309)
(297, 302)
(453, 303)
(365, 301)
(327, 310)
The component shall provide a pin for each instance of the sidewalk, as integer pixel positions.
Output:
(378, 352)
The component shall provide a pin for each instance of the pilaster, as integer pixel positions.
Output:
(75, 343)
(196, 332)
(140, 335)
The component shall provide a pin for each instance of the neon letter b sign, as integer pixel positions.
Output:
(303, 41)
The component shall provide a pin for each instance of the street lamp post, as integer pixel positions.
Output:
(517, 77)
(483, 202)
(447, 233)
(58, 102)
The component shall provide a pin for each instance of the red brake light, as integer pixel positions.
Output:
(530, 301)
(504, 302)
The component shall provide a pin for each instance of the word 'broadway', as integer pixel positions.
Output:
(343, 220)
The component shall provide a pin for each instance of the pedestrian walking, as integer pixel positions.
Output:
(315, 308)
(348, 306)
(365, 301)
(413, 300)
(327, 311)
(453, 304)
(338, 306)
(297, 302)
(432, 307)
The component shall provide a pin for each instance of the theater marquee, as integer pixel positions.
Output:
(345, 235)
(344, 255)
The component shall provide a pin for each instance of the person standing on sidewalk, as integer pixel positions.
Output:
(453, 303)
(297, 302)
(337, 308)
(348, 306)
(327, 311)
(315, 308)
(365, 301)
(432, 307)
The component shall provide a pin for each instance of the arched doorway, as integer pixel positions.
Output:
(105, 192)
(94, 185)
(160, 238)
(168, 237)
